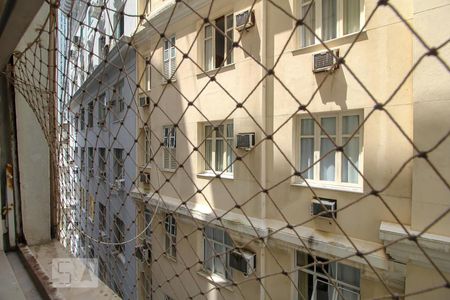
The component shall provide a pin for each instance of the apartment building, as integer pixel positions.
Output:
(206, 189)
(102, 80)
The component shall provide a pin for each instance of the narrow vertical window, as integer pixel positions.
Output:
(169, 57)
(220, 41)
(327, 154)
(171, 235)
(352, 12)
(308, 10)
(307, 148)
(349, 126)
(170, 145)
(229, 31)
(329, 19)
(209, 59)
(147, 145)
(148, 74)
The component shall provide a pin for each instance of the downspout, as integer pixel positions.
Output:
(264, 149)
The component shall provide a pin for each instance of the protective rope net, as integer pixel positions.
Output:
(199, 160)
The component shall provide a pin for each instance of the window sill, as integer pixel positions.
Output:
(215, 71)
(169, 170)
(329, 186)
(169, 257)
(336, 42)
(214, 175)
(216, 280)
(166, 81)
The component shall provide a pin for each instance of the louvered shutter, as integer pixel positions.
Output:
(166, 59)
(173, 57)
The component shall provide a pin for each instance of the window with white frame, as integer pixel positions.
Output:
(329, 19)
(118, 102)
(118, 164)
(342, 282)
(147, 225)
(101, 109)
(219, 147)
(218, 42)
(119, 234)
(101, 217)
(170, 226)
(148, 74)
(82, 157)
(217, 248)
(319, 161)
(102, 162)
(82, 120)
(90, 122)
(147, 145)
(90, 161)
(169, 57)
(119, 22)
(170, 147)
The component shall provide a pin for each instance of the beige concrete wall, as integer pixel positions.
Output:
(423, 278)
(431, 121)
(33, 155)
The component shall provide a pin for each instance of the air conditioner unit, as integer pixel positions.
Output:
(143, 253)
(244, 19)
(119, 184)
(91, 172)
(76, 40)
(245, 140)
(144, 178)
(325, 61)
(144, 101)
(243, 261)
(325, 208)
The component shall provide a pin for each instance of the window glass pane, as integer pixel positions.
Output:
(208, 55)
(229, 40)
(220, 41)
(329, 125)
(228, 240)
(349, 173)
(307, 127)
(230, 130)
(348, 275)
(327, 163)
(307, 157)
(351, 16)
(349, 124)
(229, 155)
(208, 255)
(220, 133)
(208, 154)
(219, 267)
(329, 20)
(309, 19)
(208, 131)
(218, 235)
(219, 155)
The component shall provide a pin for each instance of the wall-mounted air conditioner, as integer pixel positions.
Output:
(245, 140)
(244, 19)
(144, 177)
(243, 261)
(91, 172)
(143, 253)
(119, 184)
(325, 208)
(144, 101)
(325, 61)
(76, 40)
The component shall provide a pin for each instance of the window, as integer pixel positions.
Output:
(148, 228)
(91, 161)
(170, 146)
(118, 163)
(218, 147)
(171, 236)
(147, 145)
(83, 198)
(167, 297)
(314, 284)
(82, 156)
(217, 248)
(102, 110)
(117, 102)
(101, 46)
(317, 147)
(90, 114)
(170, 61)
(119, 234)
(101, 218)
(218, 43)
(119, 23)
(102, 162)
(148, 74)
(329, 19)
(91, 207)
(82, 113)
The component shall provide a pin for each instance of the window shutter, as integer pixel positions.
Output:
(166, 159)
(173, 161)
(166, 60)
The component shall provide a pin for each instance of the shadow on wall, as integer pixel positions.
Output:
(334, 89)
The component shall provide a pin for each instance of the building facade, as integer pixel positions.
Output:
(342, 138)
(101, 80)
